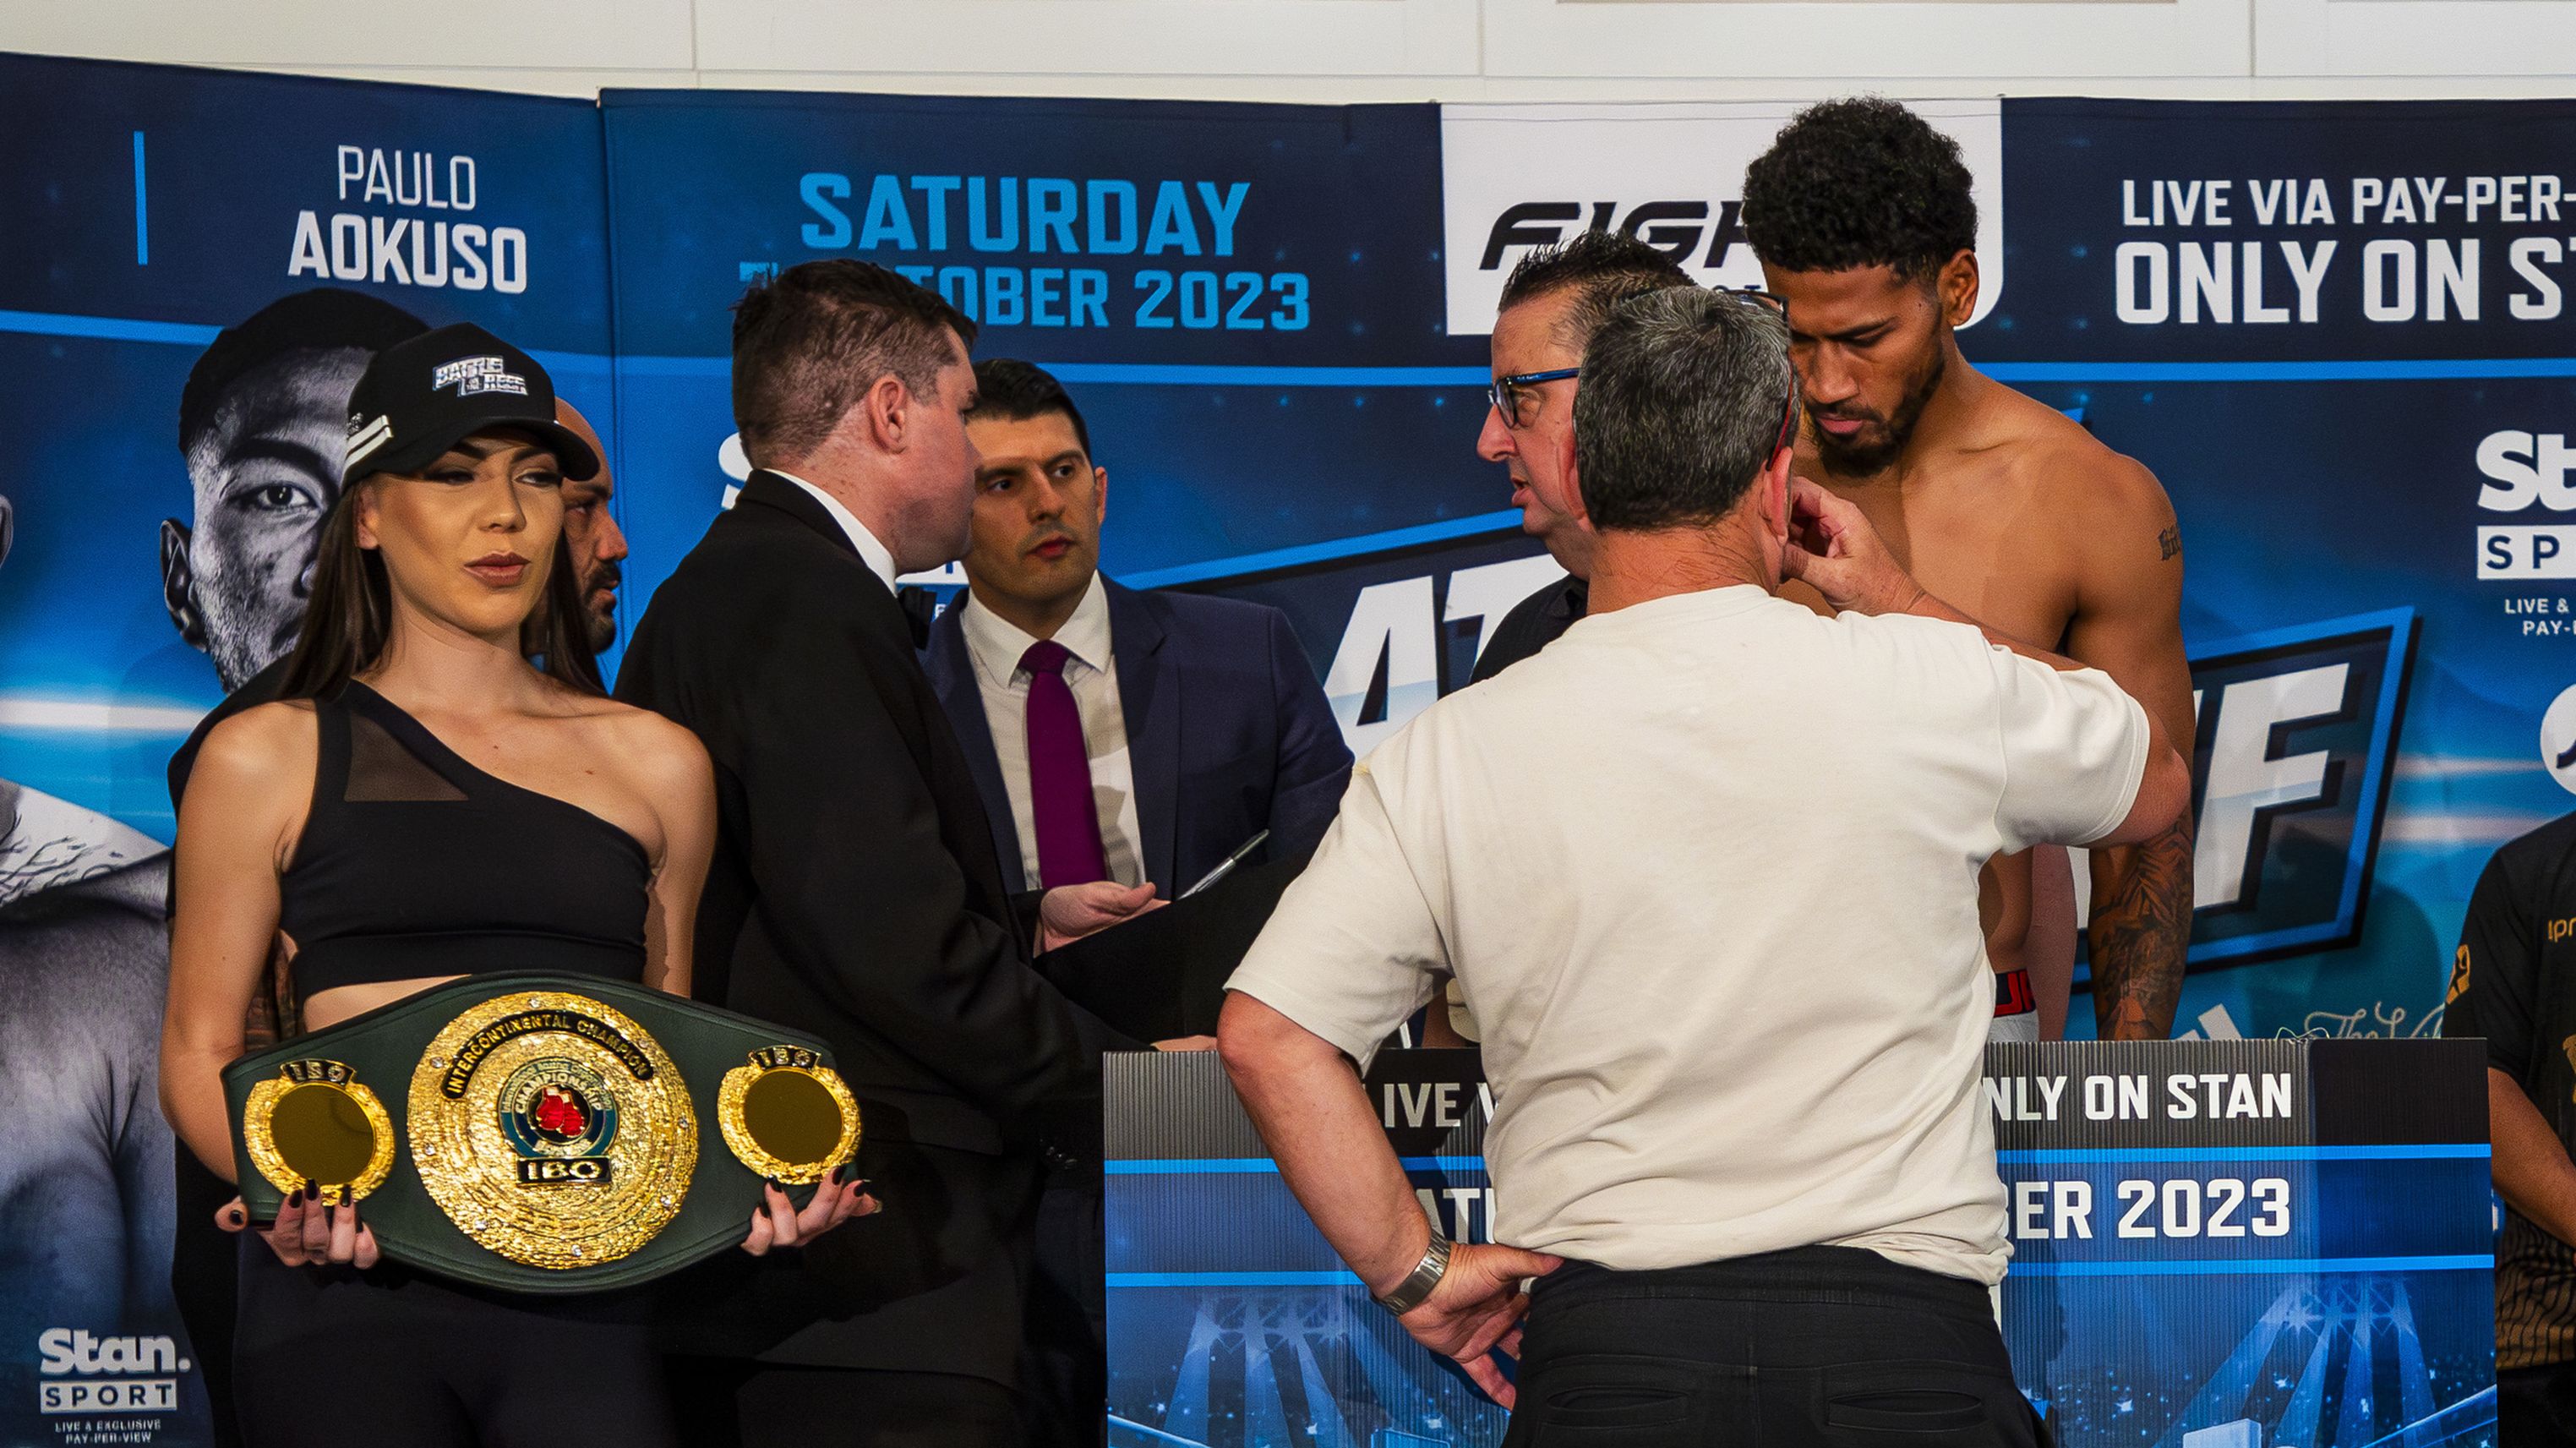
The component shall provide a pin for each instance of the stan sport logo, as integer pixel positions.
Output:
(81, 1373)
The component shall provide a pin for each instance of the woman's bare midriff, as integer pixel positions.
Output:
(329, 1008)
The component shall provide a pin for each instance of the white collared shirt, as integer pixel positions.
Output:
(995, 645)
(878, 557)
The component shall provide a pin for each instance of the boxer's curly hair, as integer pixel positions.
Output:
(1860, 182)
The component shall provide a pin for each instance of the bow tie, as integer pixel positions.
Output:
(919, 606)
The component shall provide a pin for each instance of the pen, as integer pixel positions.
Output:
(1226, 866)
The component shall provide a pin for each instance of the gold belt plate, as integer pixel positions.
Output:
(316, 1124)
(552, 1129)
(786, 1115)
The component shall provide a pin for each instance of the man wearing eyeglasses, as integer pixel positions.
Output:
(1552, 303)
(1864, 221)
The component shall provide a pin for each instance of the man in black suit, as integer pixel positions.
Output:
(1139, 737)
(854, 890)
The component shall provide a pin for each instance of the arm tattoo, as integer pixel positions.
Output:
(2141, 932)
(2168, 543)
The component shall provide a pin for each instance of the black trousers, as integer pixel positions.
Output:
(205, 1269)
(1064, 1368)
(331, 1356)
(2536, 1407)
(1820, 1345)
(734, 1403)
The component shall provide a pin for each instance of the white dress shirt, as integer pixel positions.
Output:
(996, 644)
(878, 557)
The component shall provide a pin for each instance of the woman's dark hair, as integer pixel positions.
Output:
(352, 615)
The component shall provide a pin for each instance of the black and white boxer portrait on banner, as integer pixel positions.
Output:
(85, 1193)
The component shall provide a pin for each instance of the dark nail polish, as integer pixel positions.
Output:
(295, 1198)
(836, 1175)
(239, 1217)
(774, 1186)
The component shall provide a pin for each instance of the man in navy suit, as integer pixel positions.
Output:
(1114, 735)
(1201, 721)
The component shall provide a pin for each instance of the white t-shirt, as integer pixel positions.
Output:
(1706, 871)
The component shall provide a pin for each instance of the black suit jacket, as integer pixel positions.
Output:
(1533, 624)
(854, 893)
(1228, 732)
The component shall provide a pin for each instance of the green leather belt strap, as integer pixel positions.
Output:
(542, 1132)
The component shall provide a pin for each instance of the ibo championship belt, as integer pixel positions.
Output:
(542, 1132)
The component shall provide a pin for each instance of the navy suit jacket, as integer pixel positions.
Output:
(1227, 731)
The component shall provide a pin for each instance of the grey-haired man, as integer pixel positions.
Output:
(1768, 1208)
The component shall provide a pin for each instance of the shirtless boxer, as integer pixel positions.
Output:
(1862, 217)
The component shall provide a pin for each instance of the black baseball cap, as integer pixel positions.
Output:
(421, 397)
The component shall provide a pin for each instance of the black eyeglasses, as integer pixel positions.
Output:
(1778, 304)
(1508, 393)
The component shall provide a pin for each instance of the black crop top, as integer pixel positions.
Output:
(415, 863)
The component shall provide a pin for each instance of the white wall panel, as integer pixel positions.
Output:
(438, 35)
(1857, 41)
(2528, 38)
(1362, 50)
(1152, 37)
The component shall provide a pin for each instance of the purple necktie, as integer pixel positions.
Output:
(1068, 828)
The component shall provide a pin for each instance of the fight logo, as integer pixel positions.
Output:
(81, 1374)
(474, 375)
(2520, 471)
(560, 1116)
(2297, 730)
(1517, 178)
(1671, 227)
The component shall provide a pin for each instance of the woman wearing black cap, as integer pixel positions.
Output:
(427, 801)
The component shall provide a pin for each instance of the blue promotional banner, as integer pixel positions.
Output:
(2225, 1244)
(1231, 1321)
(2337, 333)
(1250, 319)
(148, 214)
(2215, 1245)
(156, 536)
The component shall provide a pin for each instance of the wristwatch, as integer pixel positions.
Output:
(1416, 1288)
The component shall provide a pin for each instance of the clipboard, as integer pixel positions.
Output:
(1163, 974)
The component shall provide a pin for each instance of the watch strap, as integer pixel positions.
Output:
(1417, 1286)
